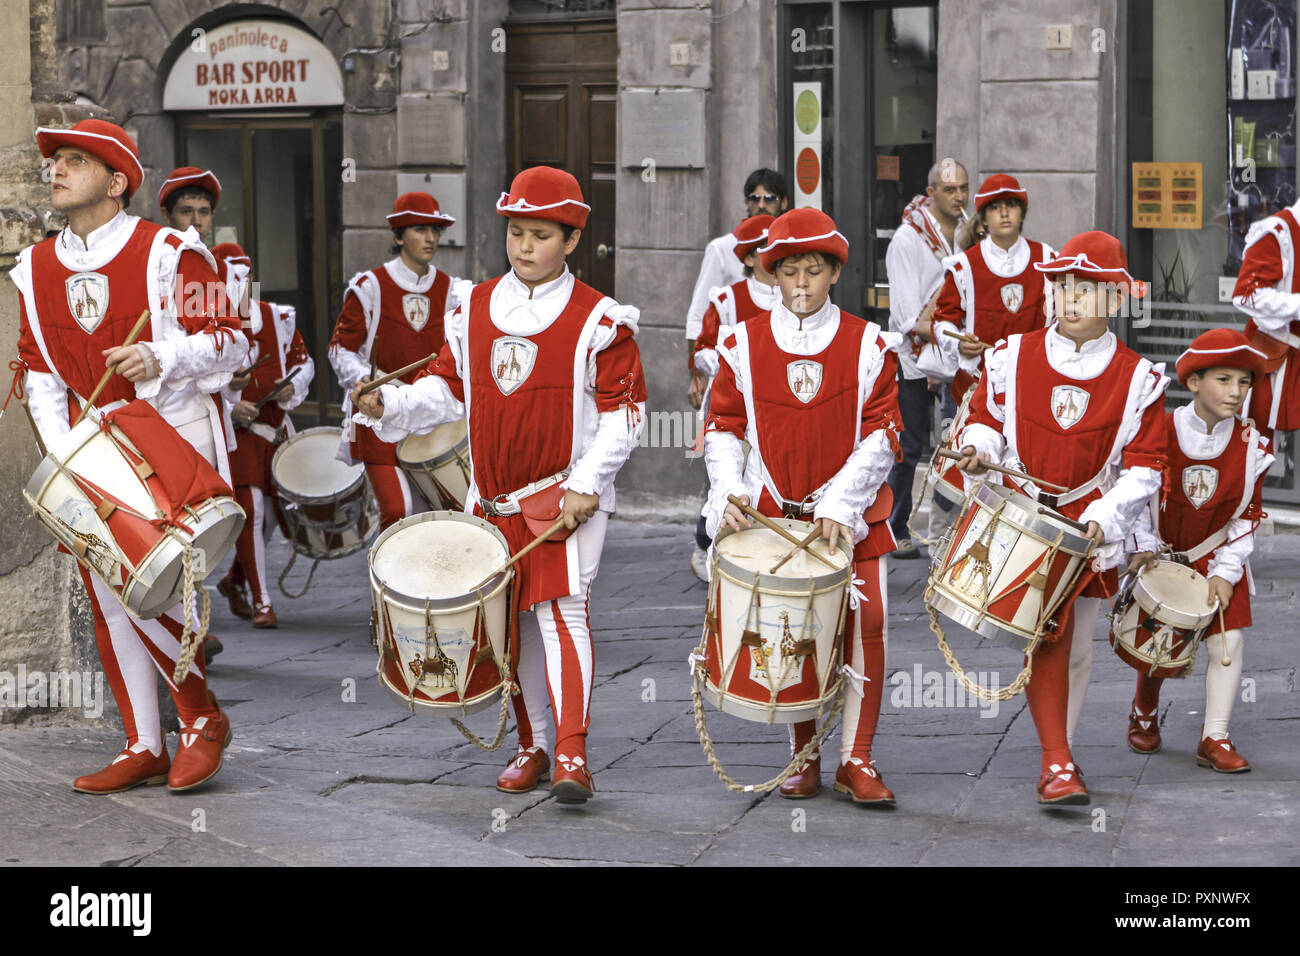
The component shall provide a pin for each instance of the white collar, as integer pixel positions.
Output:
(407, 279)
(811, 336)
(1197, 439)
(1103, 343)
(992, 250)
(100, 237)
(764, 295)
(561, 285)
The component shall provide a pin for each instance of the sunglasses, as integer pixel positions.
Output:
(761, 197)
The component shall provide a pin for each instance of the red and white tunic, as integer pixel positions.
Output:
(1268, 290)
(817, 400)
(551, 382)
(390, 317)
(78, 299)
(1087, 417)
(1212, 501)
(728, 307)
(272, 330)
(990, 293)
(914, 263)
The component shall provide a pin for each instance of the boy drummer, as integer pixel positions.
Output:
(1211, 508)
(392, 316)
(1071, 404)
(821, 453)
(551, 375)
(188, 198)
(261, 417)
(118, 265)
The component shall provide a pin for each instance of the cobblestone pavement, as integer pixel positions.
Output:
(313, 779)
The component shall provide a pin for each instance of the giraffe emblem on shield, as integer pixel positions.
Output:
(805, 378)
(1069, 402)
(512, 361)
(416, 309)
(1200, 483)
(1013, 296)
(87, 298)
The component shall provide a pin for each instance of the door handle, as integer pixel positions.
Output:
(604, 251)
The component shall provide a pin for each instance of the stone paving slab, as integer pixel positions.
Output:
(326, 768)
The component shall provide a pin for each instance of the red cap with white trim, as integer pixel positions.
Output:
(801, 231)
(105, 141)
(1097, 256)
(544, 192)
(999, 186)
(751, 233)
(229, 253)
(1220, 348)
(190, 177)
(418, 209)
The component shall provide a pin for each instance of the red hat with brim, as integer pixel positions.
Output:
(1220, 348)
(106, 141)
(1000, 186)
(544, 192)
(190, 177)
(229, 252)
(799, 232)
(1098, 257)
(751, 233)
(418, 209)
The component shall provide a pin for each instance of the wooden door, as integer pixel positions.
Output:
(562, 96)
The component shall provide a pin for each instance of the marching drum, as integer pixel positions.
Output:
(1160, 618)
(443, 639)
(1006, 566)
(328, 508)
(773, 642)
(129, 498)
(438, 464)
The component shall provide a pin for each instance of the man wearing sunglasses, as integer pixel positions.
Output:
(765, 192)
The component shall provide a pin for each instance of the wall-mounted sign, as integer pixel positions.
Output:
(1167, 195)
(252, 64)
(807, 144)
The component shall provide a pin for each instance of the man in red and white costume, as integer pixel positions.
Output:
(549, 373)
(1209, 514)
(1268, 290)
(824, 455)
(272, 331)
(188, 198)
(1071, 404)
(81, 291)
(392, 316)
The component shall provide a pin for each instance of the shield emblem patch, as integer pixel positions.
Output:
(416, 309)
(805, 379)
(1068, 404)
(87, 298)
(512, 362)
(1199, 483)
(1013, 296)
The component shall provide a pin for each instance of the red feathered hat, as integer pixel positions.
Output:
(543, 192)
(751, 233)
(999, 186)
(105, 141)
(1220, 348)
(190, 177)
(801, 231)
(418, 209)
(1097, 256)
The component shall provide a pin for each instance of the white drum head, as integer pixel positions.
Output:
(437, 559)
(417, 449)
(306, 467)
(1178, 588)
(758, 549)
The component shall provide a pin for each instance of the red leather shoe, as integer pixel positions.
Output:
(128, 769)
(804, 782)
(1221, 755)
(234, 595)
(1143, 731)
(525, 769)
(572, 782)
(859, 779)
(202, 750)
(1062, 785)
(265, 616)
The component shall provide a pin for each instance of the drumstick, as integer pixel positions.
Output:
(108, 372)
(771, 525)
(385, 379)
(1077, 525)
(40, 445)
(1223, 632)
(968, 339)
(559, 523)
(275, 388)
(957, 456)
(793, 551)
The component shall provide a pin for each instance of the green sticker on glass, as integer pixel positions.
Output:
(807, 111)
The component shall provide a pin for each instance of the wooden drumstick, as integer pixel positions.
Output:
(385, 379)
(812, 536)
(36, 432)
(958, 456)
(968, 339)
(1077, 525)
(108, 372)
(1225, 660)
(559, 523)
(276, 387)
(771, 525)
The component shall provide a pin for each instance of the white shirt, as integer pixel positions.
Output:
(915, 274)
(719, 268)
